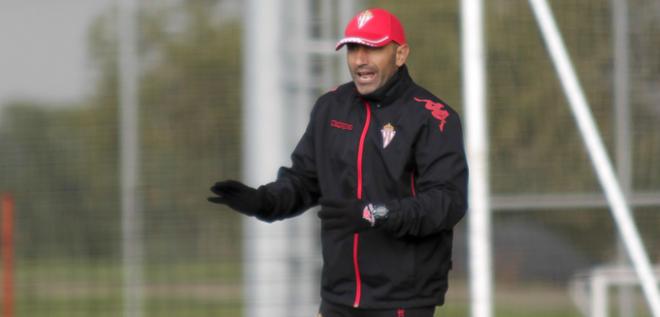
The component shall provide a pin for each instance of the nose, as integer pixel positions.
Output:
(361, 55)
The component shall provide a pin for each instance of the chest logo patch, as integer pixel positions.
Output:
(438, 111)
(341, 125)
(388, 133)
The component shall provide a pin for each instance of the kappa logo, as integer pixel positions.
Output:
(364, 17)
(341, 125)
(438, 111)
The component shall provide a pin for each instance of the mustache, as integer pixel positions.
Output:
(365, 68)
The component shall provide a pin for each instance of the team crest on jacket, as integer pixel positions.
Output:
(388, 133)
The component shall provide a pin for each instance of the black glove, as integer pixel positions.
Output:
(242, 198)
(344, 215)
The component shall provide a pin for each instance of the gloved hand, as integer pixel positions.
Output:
(345, 215)
(242, 198)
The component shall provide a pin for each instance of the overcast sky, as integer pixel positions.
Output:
(43, 50)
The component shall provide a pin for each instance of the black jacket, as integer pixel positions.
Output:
(421, 175)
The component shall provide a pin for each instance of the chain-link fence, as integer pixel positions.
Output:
(551, 225)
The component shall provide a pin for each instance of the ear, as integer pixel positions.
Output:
(402, 52)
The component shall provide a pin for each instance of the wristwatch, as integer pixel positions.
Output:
(375, 214)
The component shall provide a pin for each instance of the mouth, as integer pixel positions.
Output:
(365, 77)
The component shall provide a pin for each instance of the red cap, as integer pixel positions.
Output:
(373, 27)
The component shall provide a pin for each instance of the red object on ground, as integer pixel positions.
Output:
(7, 255)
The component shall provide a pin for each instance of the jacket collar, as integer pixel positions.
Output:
(393, 89)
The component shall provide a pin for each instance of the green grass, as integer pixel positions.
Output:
(464, 311)
(69, 288)
(86, 307)
(56, 288)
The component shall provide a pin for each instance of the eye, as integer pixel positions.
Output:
(351, 46)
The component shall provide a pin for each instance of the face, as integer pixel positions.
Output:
(371, 67)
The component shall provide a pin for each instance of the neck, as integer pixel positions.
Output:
(389, 88)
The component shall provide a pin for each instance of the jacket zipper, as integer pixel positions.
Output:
(361, 149)
(356, 236)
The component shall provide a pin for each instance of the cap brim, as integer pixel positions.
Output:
(363, 41)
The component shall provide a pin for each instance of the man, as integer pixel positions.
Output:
(385, 160)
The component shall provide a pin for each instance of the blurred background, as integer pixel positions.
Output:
(99, 232)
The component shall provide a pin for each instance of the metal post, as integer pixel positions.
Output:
(622, 93)
(598, 305)
(301, 231)
(623, 141)
(596, 149)
(346, 10)
(328, 27)
(131, 211)
(298, 75)
(474, 96)
(264, 150)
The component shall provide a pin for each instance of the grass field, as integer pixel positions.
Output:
(524, 300)
(63, 288)
(66, 288)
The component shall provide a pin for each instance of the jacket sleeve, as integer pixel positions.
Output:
(296, 188)
(441, 176)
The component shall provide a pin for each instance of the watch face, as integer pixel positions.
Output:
(380, 212)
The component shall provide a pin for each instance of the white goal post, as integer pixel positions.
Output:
(600, 160)
(474, 99)
(589, 290)
(474, 74)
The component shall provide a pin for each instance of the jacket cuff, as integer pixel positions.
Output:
(393, 221)
(266, 202)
